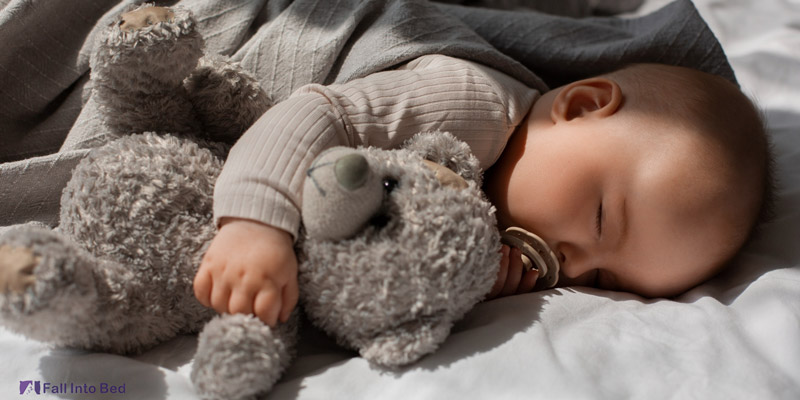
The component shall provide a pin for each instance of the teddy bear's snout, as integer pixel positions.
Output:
(351, 171)
(341, 194)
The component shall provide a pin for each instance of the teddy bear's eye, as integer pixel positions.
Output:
(389, 184)
(382, 218)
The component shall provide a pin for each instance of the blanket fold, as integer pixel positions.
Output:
(287, 44)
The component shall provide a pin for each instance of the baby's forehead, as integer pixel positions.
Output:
(686, 167)
(688, 206)
(691, 194)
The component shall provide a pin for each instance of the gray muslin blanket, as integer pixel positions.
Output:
(47, 118)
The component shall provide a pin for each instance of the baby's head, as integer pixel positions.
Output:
(647, 179)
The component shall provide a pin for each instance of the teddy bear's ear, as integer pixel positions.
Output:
(445, 149)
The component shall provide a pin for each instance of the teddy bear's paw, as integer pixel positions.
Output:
(56, 292)
(142, 17)
(39, 269)
(48, 286)
(16, 268)
(406, 343)
(239, 357)
(226, 98)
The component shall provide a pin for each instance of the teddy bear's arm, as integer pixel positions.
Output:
(225, 97)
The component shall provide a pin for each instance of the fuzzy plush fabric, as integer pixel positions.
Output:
(118, 276)
(136, 214)
(157, 79)
(226, 100)
(423, 253)
(137, 75)
(238, 357)
(135, 219)
(426, 256)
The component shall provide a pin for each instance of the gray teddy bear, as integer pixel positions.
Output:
(396, 245)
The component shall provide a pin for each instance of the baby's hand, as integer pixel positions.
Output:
(512, 279)
(249, 268)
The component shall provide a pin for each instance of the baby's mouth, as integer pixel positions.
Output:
(587, 279)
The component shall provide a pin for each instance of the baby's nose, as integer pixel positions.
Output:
(575, 263)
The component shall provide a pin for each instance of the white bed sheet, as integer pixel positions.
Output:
(735, 337)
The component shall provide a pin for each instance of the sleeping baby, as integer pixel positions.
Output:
(647, 179)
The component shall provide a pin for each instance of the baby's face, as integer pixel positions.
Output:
(624, 207)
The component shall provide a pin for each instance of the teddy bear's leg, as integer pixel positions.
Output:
(143, 205)
(239, 357)
(117, 276)
(138, 71)
(226, 99)
(54, 291)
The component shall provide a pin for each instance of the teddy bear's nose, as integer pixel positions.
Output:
(351, 171)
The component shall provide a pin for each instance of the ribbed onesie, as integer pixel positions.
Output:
(263, 177)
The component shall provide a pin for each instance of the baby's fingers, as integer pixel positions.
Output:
(528, 281)
(267, 306)
(290, 296)
(502, 273)
(220, 296)
(202, 287)
(515, 271)
(241, 302)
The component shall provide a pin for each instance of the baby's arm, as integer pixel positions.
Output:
(250, 265)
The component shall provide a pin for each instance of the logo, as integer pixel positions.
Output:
(28, 387)
(37, 387)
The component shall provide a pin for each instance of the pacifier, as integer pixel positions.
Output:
(536, 254)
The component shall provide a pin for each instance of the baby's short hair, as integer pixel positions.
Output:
(720, 112)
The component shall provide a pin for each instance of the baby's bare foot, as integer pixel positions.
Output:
(16, 268)
(140, 18)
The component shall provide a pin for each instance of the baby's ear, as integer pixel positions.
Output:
(589, 98)
(445, 149)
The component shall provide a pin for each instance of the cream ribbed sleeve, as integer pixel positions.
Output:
(263, 177)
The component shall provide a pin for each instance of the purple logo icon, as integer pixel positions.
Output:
(28, 387)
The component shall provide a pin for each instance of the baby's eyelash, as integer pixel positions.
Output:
(599, 220)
